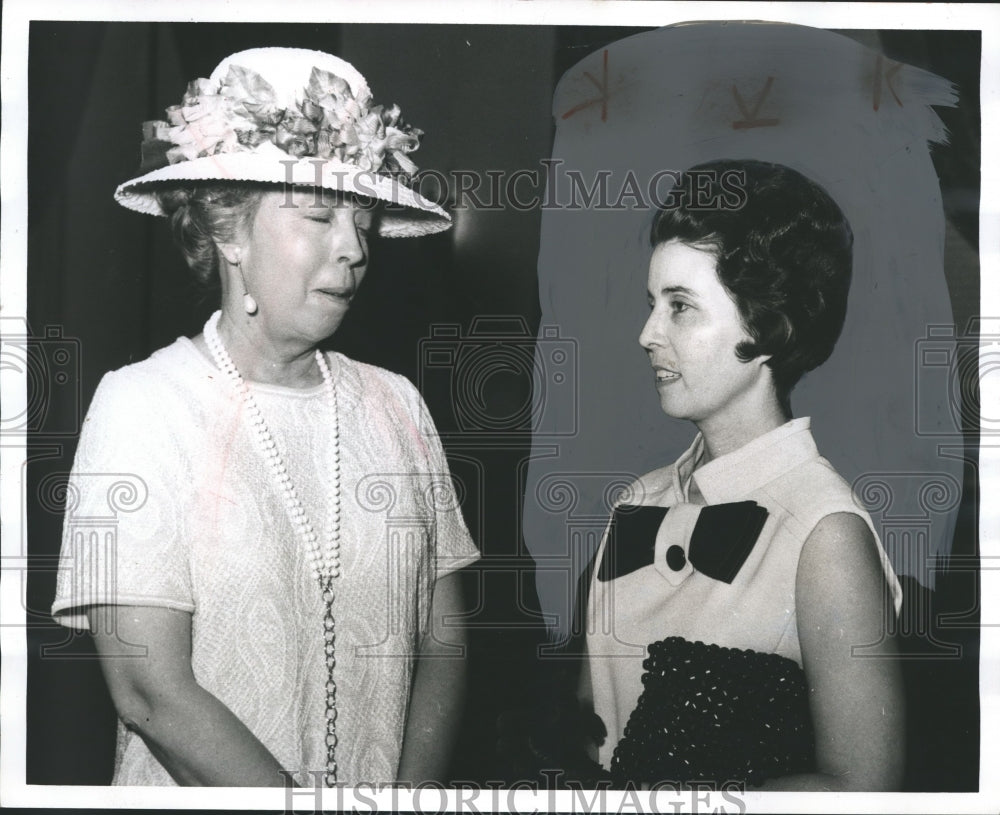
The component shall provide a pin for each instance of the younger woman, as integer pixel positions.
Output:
(745, 569)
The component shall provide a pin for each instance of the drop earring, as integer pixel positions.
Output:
(249, 304)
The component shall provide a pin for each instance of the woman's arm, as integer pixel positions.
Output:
(856, 700)
(192, 734)
(438, 694)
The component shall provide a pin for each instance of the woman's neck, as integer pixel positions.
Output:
(259, 360)
(722, 435)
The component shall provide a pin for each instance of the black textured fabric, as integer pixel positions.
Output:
(713, 714)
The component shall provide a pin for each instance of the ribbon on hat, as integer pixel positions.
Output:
(721, 541)
(242, 113)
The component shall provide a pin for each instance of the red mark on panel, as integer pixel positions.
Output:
(601, 100)
(877, 82)
(750, 114)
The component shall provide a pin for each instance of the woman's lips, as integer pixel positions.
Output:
(665, 375)
(337, 295)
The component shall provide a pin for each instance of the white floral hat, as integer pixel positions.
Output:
(287, 115)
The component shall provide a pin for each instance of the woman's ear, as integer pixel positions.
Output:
(231, 252)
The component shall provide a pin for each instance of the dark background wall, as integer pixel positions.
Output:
(109, 280)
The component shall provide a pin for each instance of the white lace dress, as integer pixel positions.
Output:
(170, 505)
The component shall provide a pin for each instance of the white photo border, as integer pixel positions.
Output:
(17, 15)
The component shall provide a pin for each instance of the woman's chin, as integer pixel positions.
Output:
(672, 408)
(319, 324)
(329, 328)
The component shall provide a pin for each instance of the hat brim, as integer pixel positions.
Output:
(406, 213)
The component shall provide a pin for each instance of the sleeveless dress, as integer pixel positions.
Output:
(732, 634)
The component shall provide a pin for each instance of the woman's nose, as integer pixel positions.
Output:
(348, 244)
(650, 335)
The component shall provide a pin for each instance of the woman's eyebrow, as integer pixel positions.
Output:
(675, 290)
(322, 198)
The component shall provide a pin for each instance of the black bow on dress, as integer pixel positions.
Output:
(722, 540)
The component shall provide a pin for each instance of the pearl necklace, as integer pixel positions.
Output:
(324, 564)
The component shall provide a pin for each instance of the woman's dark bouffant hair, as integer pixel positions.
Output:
(783, 250)
(203, 216)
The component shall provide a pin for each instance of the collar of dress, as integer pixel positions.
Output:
(738, 474)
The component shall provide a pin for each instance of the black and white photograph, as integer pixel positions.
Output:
(508, 406)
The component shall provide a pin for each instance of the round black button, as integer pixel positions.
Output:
(675, 558)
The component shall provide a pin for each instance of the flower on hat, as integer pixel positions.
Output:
(329, 122)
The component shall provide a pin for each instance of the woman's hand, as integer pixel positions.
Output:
(438, 695)
(191, 733)
(856, 699)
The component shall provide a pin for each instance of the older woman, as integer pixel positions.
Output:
(297, 543)
(744, 572)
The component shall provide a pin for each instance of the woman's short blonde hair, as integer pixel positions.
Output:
(202, 217)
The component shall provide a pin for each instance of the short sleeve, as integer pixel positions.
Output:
(124, 536)
(454, 548)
